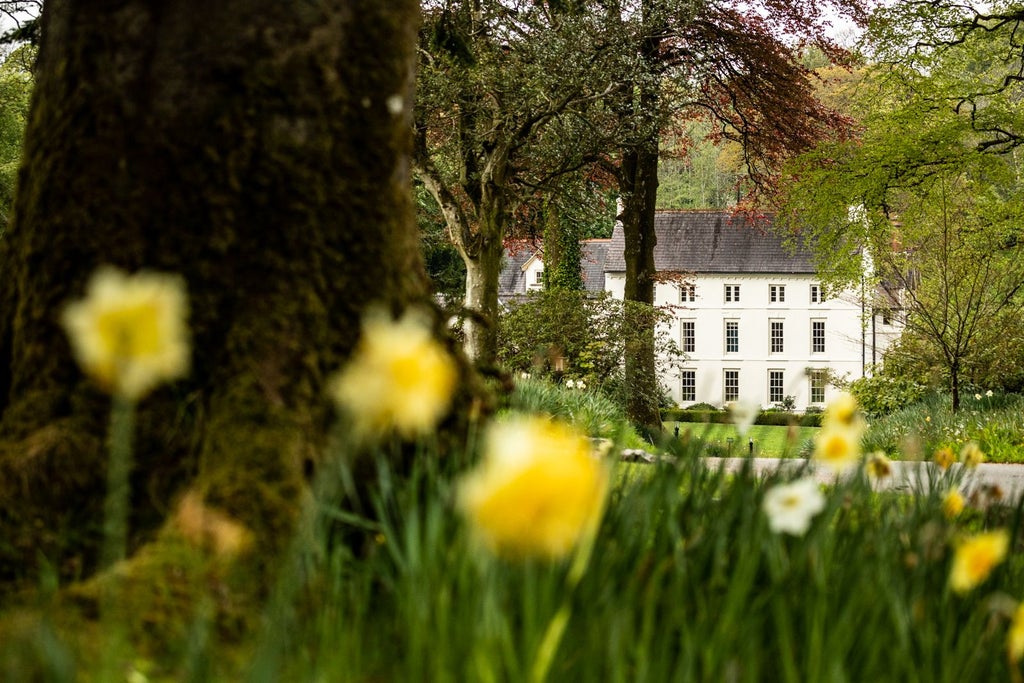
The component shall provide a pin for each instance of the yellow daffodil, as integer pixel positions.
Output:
(952, 504)
(944, 457)
(129, 332)
(538, 491)
(843, 412)
(976, 557)
(399, 377)
(837, 447)
(878, 465)
(1015, 636)
(971, 455)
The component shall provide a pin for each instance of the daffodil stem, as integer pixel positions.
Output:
(556, 627)
(115, 531)
(115, 506)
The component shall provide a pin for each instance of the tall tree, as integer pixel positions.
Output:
(259, 149)
(739, 67)
(935, 174)
(493, 76)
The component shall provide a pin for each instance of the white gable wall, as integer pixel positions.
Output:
(851, 342)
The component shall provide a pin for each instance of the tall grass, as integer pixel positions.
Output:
(590, 411)
(995, 422)
(686, 583)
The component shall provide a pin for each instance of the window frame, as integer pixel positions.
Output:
(815, 376)
(687, 294)
(780, 386)
(685, 374)
(734, 326)
(732, 294)
(817, 347)
(817, 295)
(776, 343)
(688, 344)
(734, 374)
(776, 294)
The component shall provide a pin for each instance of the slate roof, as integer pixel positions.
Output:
(512, 280)
(707, 241)
(593, 255)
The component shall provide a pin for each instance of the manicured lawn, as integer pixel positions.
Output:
(769, 441)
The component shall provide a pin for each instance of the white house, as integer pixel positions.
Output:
(752, 319)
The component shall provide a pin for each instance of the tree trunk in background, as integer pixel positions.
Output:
(639, 182)
(261, 150)
(483, 270)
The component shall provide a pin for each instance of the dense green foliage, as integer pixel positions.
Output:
(885, 392)
(572, 336)
(995, 423)
(15, 92)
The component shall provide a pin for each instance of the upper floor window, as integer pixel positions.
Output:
(688, 336)
(776, 336)
(817, 295)
(687, 294)
(776, 294)
(817, 336)
(732, 336)
(539, 277)
(732, 294)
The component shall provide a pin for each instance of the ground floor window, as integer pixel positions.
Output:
(689, 386)
(775, 386)
(732, 385)
(818, 386)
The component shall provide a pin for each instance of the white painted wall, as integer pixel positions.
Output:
(850, 346)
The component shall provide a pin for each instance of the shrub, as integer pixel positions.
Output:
(882, 394)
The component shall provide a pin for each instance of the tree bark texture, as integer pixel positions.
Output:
(639, 180)
(260, 149)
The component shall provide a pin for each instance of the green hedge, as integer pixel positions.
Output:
(723, 417)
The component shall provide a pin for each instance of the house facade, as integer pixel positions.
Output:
(751, 317)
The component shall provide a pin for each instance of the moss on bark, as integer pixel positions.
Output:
(261, 150)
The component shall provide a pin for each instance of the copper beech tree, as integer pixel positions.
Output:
(259, 150)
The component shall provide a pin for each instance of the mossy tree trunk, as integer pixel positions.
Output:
(258, 148)
(639, 182)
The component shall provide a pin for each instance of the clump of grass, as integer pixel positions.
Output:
(995, 422)
(588, 410)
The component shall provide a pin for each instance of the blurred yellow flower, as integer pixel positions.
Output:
(399, 377)
(538, 491)
(837, 447)
(1015, 636)
(843, 412)
(944, 457)
(878, 465)
(976, 557)
(952, 504)
(129, 332)
(971, 455)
